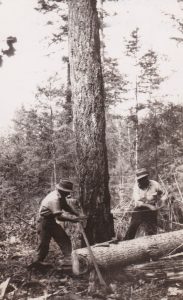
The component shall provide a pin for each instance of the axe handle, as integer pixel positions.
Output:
(102, 282)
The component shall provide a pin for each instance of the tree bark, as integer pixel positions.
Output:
(89, 118)
(129, 252)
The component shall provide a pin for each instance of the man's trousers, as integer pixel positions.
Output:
(47, 229)
(142, 215)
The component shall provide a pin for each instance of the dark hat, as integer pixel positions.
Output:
(141, 173)
(65, 185)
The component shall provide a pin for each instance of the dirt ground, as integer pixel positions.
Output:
(52, 280)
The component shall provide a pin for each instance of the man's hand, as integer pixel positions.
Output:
(144, 199)
(140, 203)
(79, 219)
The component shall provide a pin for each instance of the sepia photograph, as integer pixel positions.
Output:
(91, 155)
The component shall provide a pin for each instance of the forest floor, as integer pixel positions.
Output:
(52, 280)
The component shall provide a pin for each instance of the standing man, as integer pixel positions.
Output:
(148, 197)
(52, 208)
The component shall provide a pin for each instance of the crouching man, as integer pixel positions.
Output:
(52, 209)
(149, 197)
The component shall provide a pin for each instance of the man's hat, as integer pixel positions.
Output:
(141, 173)
(65, 185)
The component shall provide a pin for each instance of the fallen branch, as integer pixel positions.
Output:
(47, 296)
(32, 226)
(168, 269)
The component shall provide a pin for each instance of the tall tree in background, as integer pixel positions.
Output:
(89, 118)
(115, 83)
(178, 23)
(55, 117)
(150, 75)
(43, 139)
(132, 50)
(150, 82)
(68, 101)
(47, 99)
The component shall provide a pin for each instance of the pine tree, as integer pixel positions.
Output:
(150, 82)
(132, 50)
(89, 118)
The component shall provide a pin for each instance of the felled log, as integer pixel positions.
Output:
(127, 252)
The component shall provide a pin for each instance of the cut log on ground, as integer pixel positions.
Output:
(127, 252)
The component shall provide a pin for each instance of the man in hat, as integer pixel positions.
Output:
(52, 209)
(149, 197)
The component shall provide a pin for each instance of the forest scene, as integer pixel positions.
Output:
(94, 93)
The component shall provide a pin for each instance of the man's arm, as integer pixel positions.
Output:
(162, 196)
(63, 218)
(69, 208)
(150, 206)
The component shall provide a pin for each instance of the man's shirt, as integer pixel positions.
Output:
(153, 194)
(51, 204)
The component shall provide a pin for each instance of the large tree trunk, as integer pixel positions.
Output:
(89, 118)
(128, 252)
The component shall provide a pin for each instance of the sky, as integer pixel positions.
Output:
(32, 66)
(155, 30)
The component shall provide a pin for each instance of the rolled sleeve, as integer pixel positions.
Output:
(51, 204)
